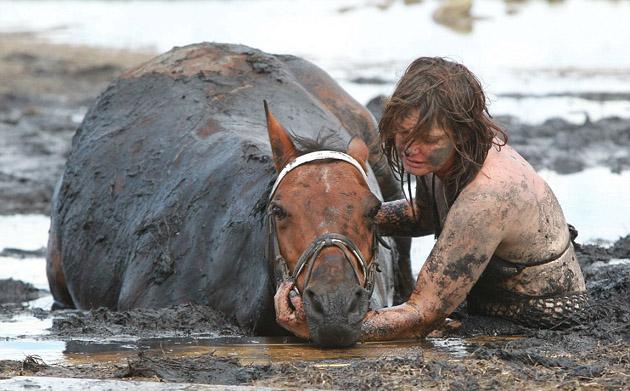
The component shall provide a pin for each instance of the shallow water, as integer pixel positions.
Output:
(247, 350)
(577, 45)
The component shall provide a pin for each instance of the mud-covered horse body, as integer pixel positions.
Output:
(163, 199)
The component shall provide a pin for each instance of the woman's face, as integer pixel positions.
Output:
(431, 152)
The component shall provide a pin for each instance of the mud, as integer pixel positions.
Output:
(594, 354)
(12, 291)
(562, 146)
(45, 92)
(177, 320)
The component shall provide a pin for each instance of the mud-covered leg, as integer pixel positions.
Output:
(54, 269)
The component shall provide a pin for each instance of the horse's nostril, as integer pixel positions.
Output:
(355, 304)
(315, 303)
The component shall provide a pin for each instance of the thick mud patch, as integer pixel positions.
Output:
(177, 320)
(12, 291)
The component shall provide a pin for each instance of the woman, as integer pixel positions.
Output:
(502, 240)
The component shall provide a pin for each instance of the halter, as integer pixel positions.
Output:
(279, 264)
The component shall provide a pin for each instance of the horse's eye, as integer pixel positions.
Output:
(278, 212)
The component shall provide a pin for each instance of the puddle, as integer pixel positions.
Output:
(595, 201)
(32, 270)
(49, 351)
(25, 232)
(247, 350)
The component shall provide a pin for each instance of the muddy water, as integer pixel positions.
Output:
(245, 350)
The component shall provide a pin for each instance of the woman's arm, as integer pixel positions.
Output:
(473, 230)
(396, 218)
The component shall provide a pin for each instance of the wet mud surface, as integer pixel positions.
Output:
(14, 291)
(45, 91)
(40, 109)
(180, 320)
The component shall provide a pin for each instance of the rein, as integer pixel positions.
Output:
(305, 262)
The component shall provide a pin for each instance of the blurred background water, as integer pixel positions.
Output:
(537, 59)
(523, 51)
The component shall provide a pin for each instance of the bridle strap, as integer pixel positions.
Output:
(331, 240)
(312, 156)
(281, 270)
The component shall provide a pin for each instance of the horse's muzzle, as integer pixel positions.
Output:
(335, 315)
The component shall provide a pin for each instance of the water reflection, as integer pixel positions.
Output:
(265, 350)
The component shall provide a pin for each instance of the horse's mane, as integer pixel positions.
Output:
(329, 142)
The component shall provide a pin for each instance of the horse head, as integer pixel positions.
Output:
(322, 233)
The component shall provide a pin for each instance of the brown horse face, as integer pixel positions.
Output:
(320, 197)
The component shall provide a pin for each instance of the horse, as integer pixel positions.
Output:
(178, 190)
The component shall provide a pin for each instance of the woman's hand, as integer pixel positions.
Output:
(290, 310)
(400, 322)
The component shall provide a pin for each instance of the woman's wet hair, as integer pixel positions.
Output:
(445, 94)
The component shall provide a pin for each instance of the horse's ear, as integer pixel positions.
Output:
(282, 147)
(359, 151)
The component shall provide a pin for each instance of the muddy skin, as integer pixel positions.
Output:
(397, 216)
(400, 322)
(440, 156)
(433, 150)
(516, 218)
